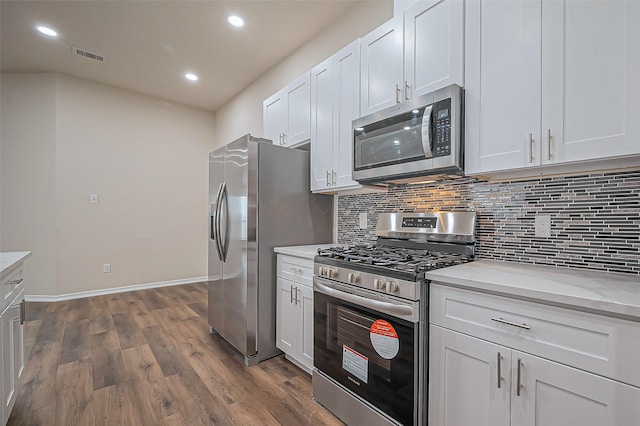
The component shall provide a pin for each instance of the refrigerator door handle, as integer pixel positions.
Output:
(224, 246)
(216, 224)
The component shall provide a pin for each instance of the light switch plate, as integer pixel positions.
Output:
(93, 199)
(106, 268)
(363, 220)
(543, 225)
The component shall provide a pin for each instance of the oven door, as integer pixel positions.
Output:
(369, 343)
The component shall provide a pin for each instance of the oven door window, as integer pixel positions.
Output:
(382, 372)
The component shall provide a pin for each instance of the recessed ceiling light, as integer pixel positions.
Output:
(47, 31)
(359, 129)
(191, 76)
(415, 111)
(407, 128)
(236, 21)
(396, 142)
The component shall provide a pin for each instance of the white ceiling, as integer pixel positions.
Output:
(149, 45)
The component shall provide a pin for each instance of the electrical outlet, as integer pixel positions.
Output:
(363, 220)
(106, 268)
(93, 199)
(543, 225)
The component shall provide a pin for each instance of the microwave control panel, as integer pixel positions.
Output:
(442, 128)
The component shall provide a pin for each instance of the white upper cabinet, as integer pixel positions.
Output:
(551, 83)
(381, 67)
(433, 46)
(590, 79)
(335, 103)
(413, 54)
(286, 114)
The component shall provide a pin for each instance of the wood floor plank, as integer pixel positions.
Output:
(114, 406)
(108, 365)
(200, 308)
(74, 389)
(129, 335)
(75, 341)
(151, 300)
(52, 328)
(164, 350)
(35, 310)
(154, 397)
(39, 377)
(142, 315)
(100, 319)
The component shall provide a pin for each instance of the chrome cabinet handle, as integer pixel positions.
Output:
(530, 147)
(333, 177)
(499, 370)
(295, 269)
(328, 178)
(515, 324)
(291, 294)
(549, 144)
(397, 94)
(23, 311)
(297, 299)
(284, 139)
(519, 381)
(406, 90)
(14, 282)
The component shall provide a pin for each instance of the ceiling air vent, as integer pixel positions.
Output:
(87, 54)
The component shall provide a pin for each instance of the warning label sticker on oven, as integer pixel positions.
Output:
(384, 339)
(355, 363)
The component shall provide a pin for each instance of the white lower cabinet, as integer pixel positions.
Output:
(12, 336)
(473, 381)
(294, 310)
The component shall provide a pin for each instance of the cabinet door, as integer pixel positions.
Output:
(347, 108)
(274, 115)
(503, 84)
(381, 69)
(298, 111)
(467, 386)
(591, 89)
(553, 394)
(433, 46)
(305, 305)
(8, 375)
(322, 98)
(18, 349)
(287, 321)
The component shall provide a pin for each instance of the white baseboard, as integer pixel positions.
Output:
(102, 292)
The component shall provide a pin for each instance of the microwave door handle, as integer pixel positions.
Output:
(426, 131)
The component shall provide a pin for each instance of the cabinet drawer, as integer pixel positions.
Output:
(596, 343)
(11, 286)
(296, 269)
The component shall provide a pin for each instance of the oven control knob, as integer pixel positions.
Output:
(379, 284)
(392, 287)
(323, 271)
(353, 278)
(332, 273)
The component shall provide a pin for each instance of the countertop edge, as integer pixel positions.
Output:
(15, 259)
(610, 307)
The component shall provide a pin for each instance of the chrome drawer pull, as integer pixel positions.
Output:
(515, 324)
(14, 282)
(295, 269)
(519, 380)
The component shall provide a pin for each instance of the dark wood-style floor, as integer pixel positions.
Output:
(147, 358)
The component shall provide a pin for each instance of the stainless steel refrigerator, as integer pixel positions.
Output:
(259, 199)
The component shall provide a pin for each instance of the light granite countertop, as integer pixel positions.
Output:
(306, 252)
(609, 293)
(10, 259)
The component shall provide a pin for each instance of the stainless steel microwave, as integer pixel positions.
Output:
(412, 140)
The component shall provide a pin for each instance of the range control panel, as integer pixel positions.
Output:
(419, 222)
(442, 128)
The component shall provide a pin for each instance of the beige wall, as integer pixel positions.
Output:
(244, 113)
(27, 178)
(147, 160)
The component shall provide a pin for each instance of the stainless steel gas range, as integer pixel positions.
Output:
(371, 316)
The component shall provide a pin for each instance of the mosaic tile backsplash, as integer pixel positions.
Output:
(595, 218)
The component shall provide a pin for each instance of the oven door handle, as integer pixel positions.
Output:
(399, 311)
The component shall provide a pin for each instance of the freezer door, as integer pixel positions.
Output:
(234, 235)
(216, 179)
